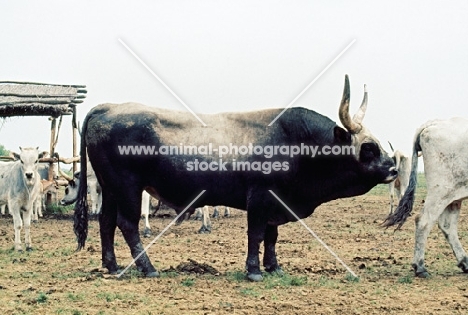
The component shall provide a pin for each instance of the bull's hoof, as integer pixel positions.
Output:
(147, 232)
(204, 230)
(463, 264)
(29, 249)
(255, 277)
(152, 274)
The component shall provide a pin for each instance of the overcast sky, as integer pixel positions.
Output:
(242, 55)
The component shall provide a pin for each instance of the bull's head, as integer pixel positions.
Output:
(29, 159)
(371, 156)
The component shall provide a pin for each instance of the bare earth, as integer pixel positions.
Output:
(203, 274)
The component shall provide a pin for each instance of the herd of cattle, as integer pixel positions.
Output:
(308, 183)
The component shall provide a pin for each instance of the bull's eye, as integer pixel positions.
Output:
(66, 191)
(22, 162)
(369, 151)
(36, 162)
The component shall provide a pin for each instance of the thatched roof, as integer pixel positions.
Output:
(39, 99)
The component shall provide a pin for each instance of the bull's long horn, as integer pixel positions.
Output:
(391, 146)
(359, 116)
(345, 118)
(68, 178)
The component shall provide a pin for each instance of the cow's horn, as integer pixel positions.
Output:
(345, 118)
(68, 178)
(359, 116)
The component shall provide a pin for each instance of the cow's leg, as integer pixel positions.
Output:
(107, 225)
(448, 223)
(27, 226)
(391, 191)
(127, 220)
(424, 222)
(215, 212)
(17, 223)
(198, 214)
(145, 204)
(40, 202)
(2, 209)
(206, 222)
(94, 196)
(35, 210)
(227, 212)
(269, 257)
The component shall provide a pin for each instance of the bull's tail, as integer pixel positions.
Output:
(80, 224)
(406, 203)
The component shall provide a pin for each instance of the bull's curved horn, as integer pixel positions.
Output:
(391, 146)
(359, 116)
(68, 178)
(343, 113)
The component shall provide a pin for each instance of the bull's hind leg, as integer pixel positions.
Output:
(107, 225)
(269, 257)
(448, 223)
(424, 222)
(127, 220)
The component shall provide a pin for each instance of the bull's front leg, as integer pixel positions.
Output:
(255, 235)
(269, 257)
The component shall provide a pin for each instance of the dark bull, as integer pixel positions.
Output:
(305, 184)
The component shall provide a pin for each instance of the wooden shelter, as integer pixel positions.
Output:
(42, 99)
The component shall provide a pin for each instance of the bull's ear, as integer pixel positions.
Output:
(341, 135)
(42, 154)
(15, 156)
(77, 174)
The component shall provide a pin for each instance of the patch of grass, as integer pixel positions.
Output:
(285, 280)
(188, 282)
(237, 276)
(350, 278)
(406, 279)
(42, 298)
(249, 292)
(75, 297)
(57, 209)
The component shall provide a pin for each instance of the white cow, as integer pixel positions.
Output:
(19, 188)
(444, 146)
(398, 187)
(39, 203)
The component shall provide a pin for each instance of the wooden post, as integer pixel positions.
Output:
(53, 127)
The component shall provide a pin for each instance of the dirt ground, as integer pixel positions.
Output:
(204, 273)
